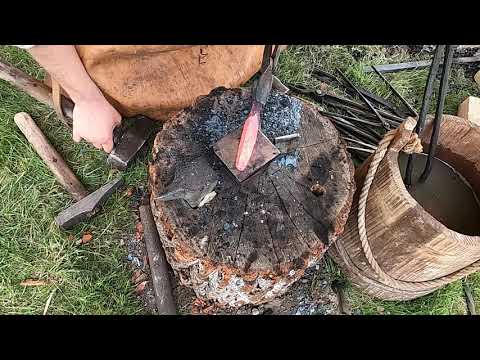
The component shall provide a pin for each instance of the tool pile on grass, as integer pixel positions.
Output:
(360, 123)
(129, 139)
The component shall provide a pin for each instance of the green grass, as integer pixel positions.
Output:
(296, 65)
(88, 279)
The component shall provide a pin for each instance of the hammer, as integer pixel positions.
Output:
(127, 140)
(87, 204)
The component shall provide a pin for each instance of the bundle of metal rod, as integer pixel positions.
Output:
(361, 125)
(338, 101)
(448, 51)
(324, 76)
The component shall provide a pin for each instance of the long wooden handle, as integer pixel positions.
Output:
(34, 88)
(50, 156)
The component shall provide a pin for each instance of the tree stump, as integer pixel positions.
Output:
(255, 238)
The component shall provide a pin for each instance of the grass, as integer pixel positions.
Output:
(296, 65)
(89, 279)
(94, 278)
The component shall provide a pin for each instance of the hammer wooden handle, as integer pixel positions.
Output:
(50, 156)
(34, 88)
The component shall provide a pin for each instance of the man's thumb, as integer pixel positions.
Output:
(76, 137)
(108, 146)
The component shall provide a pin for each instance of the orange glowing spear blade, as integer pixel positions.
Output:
(252, 124)
(248, 138)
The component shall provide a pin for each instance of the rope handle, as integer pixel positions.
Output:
(401, 139)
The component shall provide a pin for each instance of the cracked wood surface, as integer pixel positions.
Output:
(256, 238)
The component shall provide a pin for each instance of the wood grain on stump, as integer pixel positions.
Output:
(254, 238)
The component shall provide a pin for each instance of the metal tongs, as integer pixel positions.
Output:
(252, 125)
(447, 65)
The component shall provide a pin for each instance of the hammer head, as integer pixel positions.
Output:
(88, 206)
(131, 141)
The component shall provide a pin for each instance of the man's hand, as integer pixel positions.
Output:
(93, 117)
(94, 121)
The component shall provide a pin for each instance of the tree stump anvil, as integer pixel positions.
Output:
(252, 240)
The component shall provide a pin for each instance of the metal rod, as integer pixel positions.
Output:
(370, 151)
(418, 64)
(427, 95)
(328, 113)
(321, 74)
(367, 129)
(359, 108)
(286, 138)
(402, 99)
(385, 124)
(360, 142)
(439, 113)
(350, 126)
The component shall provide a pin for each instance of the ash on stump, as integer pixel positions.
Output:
(254, 239)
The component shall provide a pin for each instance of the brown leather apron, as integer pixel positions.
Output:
(158, 80)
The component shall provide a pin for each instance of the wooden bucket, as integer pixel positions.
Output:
(408, 252)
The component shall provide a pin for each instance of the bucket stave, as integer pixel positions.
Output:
(419, 253)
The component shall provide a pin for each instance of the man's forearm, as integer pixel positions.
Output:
(65, 66)
(94, 118)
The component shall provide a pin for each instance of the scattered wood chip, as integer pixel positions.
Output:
(136, 274)
(49, 300)
(197, 306)
(140, 288)
(138, 277)
(130, 191)
(202, 307)
(138, 231)
(87, 237)
(33, 282)
(71, 237)
(141, 278)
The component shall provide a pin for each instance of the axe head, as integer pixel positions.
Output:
(129, 141)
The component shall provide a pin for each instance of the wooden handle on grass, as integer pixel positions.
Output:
(36, 89)
(50, 156)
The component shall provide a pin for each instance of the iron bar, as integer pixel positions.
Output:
(439, 112)
(385, 124)
(427, 95)
(392, 88)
